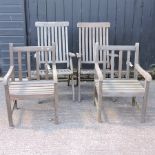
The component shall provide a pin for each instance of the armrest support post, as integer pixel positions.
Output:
(98, 72)
(55, 76)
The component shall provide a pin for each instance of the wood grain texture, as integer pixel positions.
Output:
(29, 89)
(116, 85)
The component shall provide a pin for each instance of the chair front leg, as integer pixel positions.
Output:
(8, 104)
(145, 102)
(79, 87)
(55, 104)
(99, 102)
(73, 89)
(79, 79)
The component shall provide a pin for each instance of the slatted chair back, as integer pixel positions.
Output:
(17, 53)
(90, 33)
(121, 61)
(53, 32)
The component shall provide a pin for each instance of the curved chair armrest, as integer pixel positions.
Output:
(145, 74)
(55, 74)
(8, 75)
(98, 72)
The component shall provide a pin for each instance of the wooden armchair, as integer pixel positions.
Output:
(118, 82)
(20, 88)
(56, 32)
(89, 33)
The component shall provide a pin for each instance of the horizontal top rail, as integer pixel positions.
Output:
(93, 24)
(52, 24)
(33, 48)
(117, 48)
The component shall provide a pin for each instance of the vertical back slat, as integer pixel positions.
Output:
(28, 65)
(12, 60)
(96, 36)
(49, 43)
(90, 44)
(42, 43)
(53, 54)
(120, 65)
(104, 36)
(112, 64)
(107, 43)
(93, 42)
(101, 39)
(87, 59)
(52, 34)
(83, 44)
(38, 35)
(107, 36)
(60, 50)
(136, 59)
(37, 65)
(45, 36)
(96, 39)
(19, 65)
(104, 63)
(66, 33)
(63, 43)
(56, 43)
(45, 41)
(128, 64)
(80, 39)
(46, 62)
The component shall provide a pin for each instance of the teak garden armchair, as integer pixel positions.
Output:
(56, 32)
(89, 33)
(118, 83)
(19, 88)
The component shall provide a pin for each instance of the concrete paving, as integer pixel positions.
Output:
(78, 132)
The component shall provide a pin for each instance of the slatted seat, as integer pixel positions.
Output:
(89, 33)
(56, 32)
(27, 90)
(19, 88)
(120, 86)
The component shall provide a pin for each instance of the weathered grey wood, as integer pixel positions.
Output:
(27, 89)
(112, 65)
(117, 86)
(11, 59)
(19, 66)
(7, 99)
(89, 33)
(128, 65)
(120, 64)
(28, 65)
(145, 101)
(58, 32)
(37, 65)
